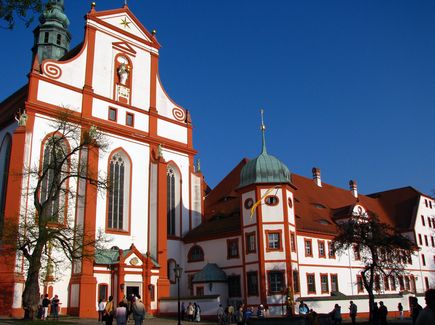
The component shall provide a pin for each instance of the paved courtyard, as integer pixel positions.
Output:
(160, 321)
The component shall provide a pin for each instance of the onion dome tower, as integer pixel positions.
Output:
(52, 38)
(265, 168)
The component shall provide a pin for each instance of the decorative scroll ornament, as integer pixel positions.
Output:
(179, 114)
(52, 70)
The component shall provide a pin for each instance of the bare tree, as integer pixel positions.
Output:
(52, 230)
(24, 10)
(383, 251)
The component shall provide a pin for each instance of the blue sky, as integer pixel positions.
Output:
(347, 86)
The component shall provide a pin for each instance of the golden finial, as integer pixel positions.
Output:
(154, 32)
(93, 4)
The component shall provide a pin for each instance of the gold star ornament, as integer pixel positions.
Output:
(125, 23)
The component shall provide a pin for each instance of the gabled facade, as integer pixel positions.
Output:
(109, 81)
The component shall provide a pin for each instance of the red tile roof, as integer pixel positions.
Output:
(316, 207)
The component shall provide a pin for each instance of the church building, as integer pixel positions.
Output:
(261, 236)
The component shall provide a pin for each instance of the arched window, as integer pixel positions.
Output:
(195, 254)
(172, 200)
(119, 192)
(171, 271)
(5, 157)
(55, 166)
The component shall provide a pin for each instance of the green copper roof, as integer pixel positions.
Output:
(106, 256)
(210, 273)
(265, 168)
(54, 13)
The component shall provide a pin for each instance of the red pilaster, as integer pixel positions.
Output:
(87, 88)
(8, 276)
(162, 249)
(86, 279)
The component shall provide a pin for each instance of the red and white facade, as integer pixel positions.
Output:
(111, 81)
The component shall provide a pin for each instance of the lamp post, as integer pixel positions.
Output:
(178, 270)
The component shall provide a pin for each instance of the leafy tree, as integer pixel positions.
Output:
(24, 10)
(383, 251)
(49, 235)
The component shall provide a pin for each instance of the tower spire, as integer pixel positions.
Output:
(263, 130)
(52, 38)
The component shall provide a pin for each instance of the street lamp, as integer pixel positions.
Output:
(178, 270)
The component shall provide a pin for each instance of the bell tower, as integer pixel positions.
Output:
(52, 37)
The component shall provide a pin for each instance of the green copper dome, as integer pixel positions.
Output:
(54, 13)
(264, 169)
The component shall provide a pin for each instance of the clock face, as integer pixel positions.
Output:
(249, 203)
(134, 261)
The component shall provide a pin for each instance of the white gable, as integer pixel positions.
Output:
(126, 23)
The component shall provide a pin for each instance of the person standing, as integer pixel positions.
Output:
(190, 311)
(353, 310)
(375, 314)
(239, 315)
(55, 307)
(45, 303)
(197, 312)
(183, 310)
(400, 308)
(427, 315)
(231, 314)
(138, 311)
(336, 315)
(121, 313)
(100, 310)
(109, 311)
(383, 312)
(415, 309)
(220, 314)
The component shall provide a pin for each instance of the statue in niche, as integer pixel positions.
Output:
(123, 73)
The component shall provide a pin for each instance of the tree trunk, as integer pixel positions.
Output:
(31, 290)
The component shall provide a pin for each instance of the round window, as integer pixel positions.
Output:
(249, 203)
(271, 200)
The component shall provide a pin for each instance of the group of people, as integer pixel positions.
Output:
(239, 315)
(379, 313)
(193, 312)
(45, 303)
(424, 316)
(131, 306)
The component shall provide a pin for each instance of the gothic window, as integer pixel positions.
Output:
(171, 270)
(53, 183)
(5, 154)
(119, 192)
(172, 200)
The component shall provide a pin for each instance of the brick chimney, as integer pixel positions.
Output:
(353, 188)
(316, 176)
